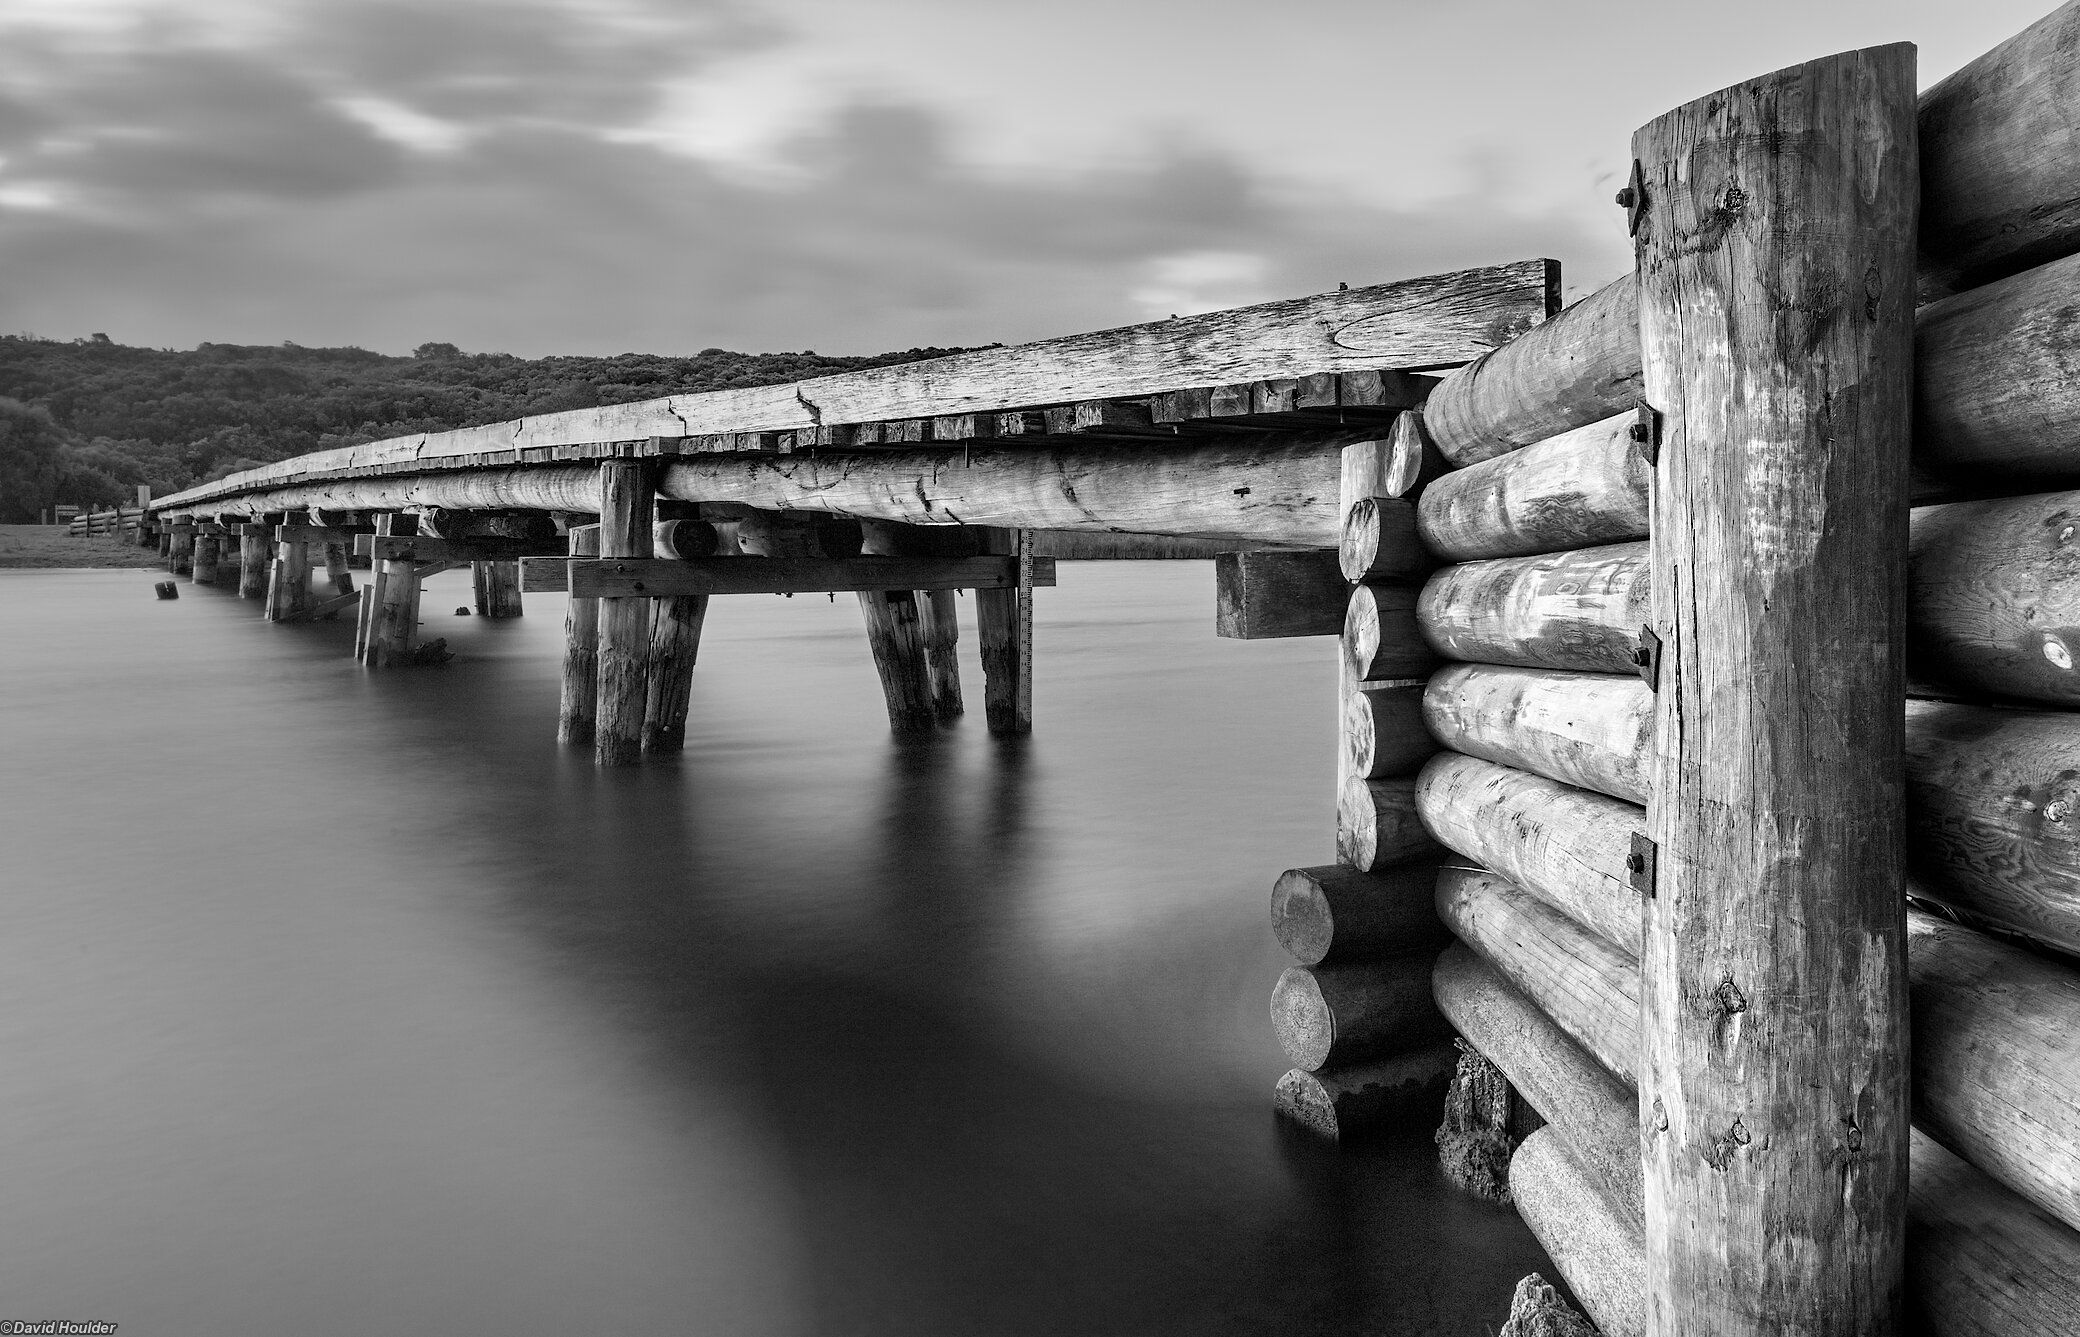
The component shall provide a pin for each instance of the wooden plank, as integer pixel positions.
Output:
(2000, 157)
(607, 578)
(1776, 1193)
(1438, 321)
(1578, 367)
(1267, 595)
(1579, 489)
(1579, 610)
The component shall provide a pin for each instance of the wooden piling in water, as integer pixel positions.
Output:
(289, 578)
(627, 511)
(336, 572)
(1776, 306)
(208, 546)
(896, 635)
(495, 588)
(180, 551)
(675, 643)
(938, 623)
(255, 541)
(1004, 626)
(580, 695)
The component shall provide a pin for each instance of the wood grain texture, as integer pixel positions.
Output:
(1382, 733)
(1993, 597)
(1564, 845)
(1997, 382)
(1579, 489)
(627, 508)
(1380, 639)
(1377, 826)
(1391, 1092)
(1269, 595)
(1004, 634)
(1437, 321)
(1579, 610)
(496, 586)
(1338, 1015)
(657, 578)
(579, 695)
(675, 645)
(1578, 367)
(1595, 1111)
(203, 568)
(1335, 914)
(2000, 156)
(1776, 271)
(1397, 464)
(1591, 730)
(938, 624)
(1380, 542)
(1598, 1246)
(1993, 816)
(255, 542)
(1981, 1260)
(1588, 987)
(1995, 1031)
(897, 641)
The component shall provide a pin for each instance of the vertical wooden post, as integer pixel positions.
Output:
(254, 540)
(1004, 627)
(389, 608)
(1776, 267)
(675, 642)
(496, 586)
(205, 560)
(336, 569)
(627, 509)
(289, 577)
(580, 652)
(180, 552)
(896, 636)
(166, 529)
(939, 624)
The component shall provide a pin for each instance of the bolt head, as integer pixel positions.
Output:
(1638, 432)
(1626, 197)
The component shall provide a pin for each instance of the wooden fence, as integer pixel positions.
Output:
(120, 521)
(1745, 791)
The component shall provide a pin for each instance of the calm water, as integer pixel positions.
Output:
(345, 1003)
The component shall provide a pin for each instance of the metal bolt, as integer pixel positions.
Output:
(1638, 432)
(1635, 863)
(1626, 197)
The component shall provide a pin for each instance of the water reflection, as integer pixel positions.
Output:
(346, 1000)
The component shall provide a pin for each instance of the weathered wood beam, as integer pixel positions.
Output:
(422, 548)
(1438, 321)
(496, 588)
(675, 643)
(1566, 846)
(1335, 914)
(1993, 591)
(895, 636)
(1776, 1194)
(1579, 489)
(1268, 595)
(938, 623)
(1589, 987)
(1981, 1260)
(1380, 543)
(608, 578)
(2000, 157)
(1581, 366)
(627, 509)
(1381, 730)
(579, 696)
(1004, 630)
(1997, 381)
(1392, 1091)
(1593, 730)
(208, 547)
(1579, 610)
(1597, 1245)
(1381, 641)
(255, 544)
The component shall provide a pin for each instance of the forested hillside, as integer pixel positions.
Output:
(86, 421)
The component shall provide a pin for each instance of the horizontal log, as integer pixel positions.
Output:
(1569, 610)
(1596, 1112)
(1566, 846)
(659, 578)
(416, 548)
(685, 540)
(1993, 816)
(2000, 156)
(1380, 542)
(1981, 1261)
(1578, 367)
(1588, 987)
(1335, 914)
(1579, 489)
(1994, 1078)
(1414, 324)
(1390, 1092)
(1993, 595)
(545, 575)
(1997, 382)
(1598, 1246)
(1591, 730)
(1381, 641)
(1339, 1015)
(1382, 733)
(1268, 595)
(1397, 464)
(1377, 826)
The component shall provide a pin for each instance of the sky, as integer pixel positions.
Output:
(847, 176)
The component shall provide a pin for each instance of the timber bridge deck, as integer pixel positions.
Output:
(1708, 649)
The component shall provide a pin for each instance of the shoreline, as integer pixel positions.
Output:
(49, 547)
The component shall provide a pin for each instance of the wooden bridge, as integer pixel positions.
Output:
(1708, 745)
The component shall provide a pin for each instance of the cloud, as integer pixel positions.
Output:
(386, 174)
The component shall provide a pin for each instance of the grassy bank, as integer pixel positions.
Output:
(50, 546)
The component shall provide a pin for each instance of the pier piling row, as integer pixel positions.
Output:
(1704, 808)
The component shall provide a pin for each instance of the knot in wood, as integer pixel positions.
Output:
(1731, 1000)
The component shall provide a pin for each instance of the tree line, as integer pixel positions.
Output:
(85, 421)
